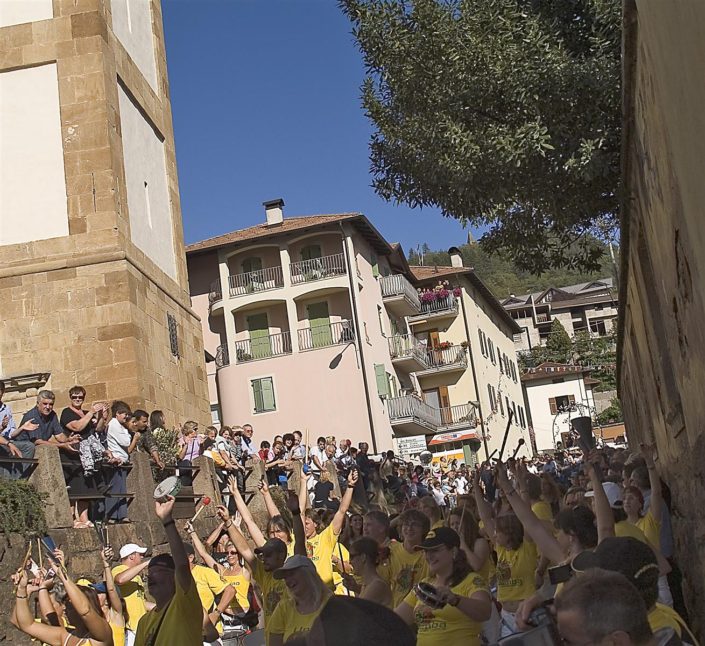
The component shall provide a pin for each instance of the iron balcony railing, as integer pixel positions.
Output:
(304, 271)
(222, 356)
(408, 407)
(256, 281)
(403, 346)
(263, 347)
(438, 305)
(398, 285)
(327, 334)
(215, 293)
(454, 355)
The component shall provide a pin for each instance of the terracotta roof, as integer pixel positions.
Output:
(424, 272)
(550, 369)
(264, 231)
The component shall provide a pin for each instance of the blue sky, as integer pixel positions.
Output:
(265, 97)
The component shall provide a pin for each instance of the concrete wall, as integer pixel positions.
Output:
(32, 185)
(132, 24)
(662, 336)
(16, 12)
(147, 192)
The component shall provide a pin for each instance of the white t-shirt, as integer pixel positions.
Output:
(461, 486)
(320, 454)
(118, 439)
(439, 497)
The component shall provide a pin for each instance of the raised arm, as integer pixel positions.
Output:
(113, 596)
(201, 551)
(252, 527)
(483, 507)
(603, 512)
(339, 518)
(546, 543)
(98, 628)
(121, 578)
(240, 542)
(656, 505)
(272, 508)
(292, 503)
(178, 553)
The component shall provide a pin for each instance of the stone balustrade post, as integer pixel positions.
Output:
(141, 483)
(48, 479)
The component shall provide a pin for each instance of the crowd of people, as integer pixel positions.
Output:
(372, 549)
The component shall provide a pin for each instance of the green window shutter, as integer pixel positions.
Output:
(375, 265)
(382, 381)
(268, 394)
(257, 391)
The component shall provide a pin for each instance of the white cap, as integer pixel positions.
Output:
(131, 548)
(613, 492)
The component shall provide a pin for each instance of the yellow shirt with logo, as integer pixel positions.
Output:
(208, 584)
(273, 591)
(448, 626)
(320, 550)
(133, 595)
(651, 528)
(242, 587)
(625, 529)
(289, 622)
(406, 569)
(179, 622)
(515, 572)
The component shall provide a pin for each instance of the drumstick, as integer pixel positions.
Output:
(39, 549)
(519, 445)
(489, 458)
(506, 434)
(206, 501)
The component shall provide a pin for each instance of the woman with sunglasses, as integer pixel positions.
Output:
(452, 602)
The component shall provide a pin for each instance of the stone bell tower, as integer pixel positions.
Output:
(93, 283)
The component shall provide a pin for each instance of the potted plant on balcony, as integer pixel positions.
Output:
(241, 355)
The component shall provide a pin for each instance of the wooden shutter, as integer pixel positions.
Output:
(382, 381)
(552, 405)
(501, 405)
(483, 349)
(489, 392)
(375, 265)
(257, 392)
(268, 394)
(502, 365)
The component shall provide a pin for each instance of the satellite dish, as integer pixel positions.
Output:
(425, 457)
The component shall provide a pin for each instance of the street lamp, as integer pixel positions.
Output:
(335, 362)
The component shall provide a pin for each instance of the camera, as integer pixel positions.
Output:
(545, 632)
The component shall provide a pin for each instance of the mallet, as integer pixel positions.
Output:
(204, 503)
(519, 445)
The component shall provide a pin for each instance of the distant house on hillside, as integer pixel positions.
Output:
(590, 307)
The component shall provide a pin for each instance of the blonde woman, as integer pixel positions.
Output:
(324, 493)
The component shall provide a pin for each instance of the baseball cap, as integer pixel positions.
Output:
(100, 587)
(272, 545)
(613, 492)
(293, 563)
(629, 556)
(131, 548)
(440, 536)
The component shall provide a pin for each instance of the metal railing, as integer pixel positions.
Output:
(256, 281)
(449, 303)
(263, 347)
(398, 285)
(321, 336)
(454, 355)
(215, 293)
(543, 318)
(406, 345)
(409, 407)
(222, 356)
(304, 271)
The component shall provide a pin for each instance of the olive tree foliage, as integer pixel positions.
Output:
(502, 113)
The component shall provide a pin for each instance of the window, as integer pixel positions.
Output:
(501, 362)
(263, 392)
(490, 350)
(382, 380)
(514, 410)
(509, 408)
(215, 414)
(561, 403)
(598, 327)
(381, 320)
(522, 419)
(483, 344)
(513, 367)
(501, 405)
(375, 265)
(493, 403)
(173, 335)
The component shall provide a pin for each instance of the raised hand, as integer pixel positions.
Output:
(501, 475)
(232, 486)
(107, 555)
(223, 513)
(648, 451)
(353, 477)
(163, 509)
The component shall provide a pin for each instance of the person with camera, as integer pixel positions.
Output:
(451, 603)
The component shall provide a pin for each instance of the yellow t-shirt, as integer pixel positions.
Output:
(661, 616)
(448, 626)
(242, 587)
(437, 524)
(515, 572)
(182, 621)
(288, 621)
(290, 549)
(624, 528)
(320, 550)
(651, 528)
(208, 584)
(339, 588)
(542, 510)
(406, 569)
(273, 591)
(118, 634)
(133, 595)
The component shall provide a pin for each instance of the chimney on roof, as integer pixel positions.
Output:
(456, 260)
(274, 210)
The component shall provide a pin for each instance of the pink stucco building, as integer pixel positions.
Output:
(316, 323)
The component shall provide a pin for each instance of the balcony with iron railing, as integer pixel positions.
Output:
(222, 356)
(305, 271)
(399, 295)
(215, 293)
(255, 281)
(436, 308)
(407, 352)
(445, 358)
(264, 347)
(411, 415)
(326, 334)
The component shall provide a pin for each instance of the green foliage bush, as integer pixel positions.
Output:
(21, 508)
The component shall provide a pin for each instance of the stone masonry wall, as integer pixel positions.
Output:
(662, 293)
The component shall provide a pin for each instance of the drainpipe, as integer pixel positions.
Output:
(474, 374)
(358, 336)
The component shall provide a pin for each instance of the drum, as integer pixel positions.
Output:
(168, 487)
(428, 595)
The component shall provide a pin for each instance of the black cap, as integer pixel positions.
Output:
(272, 545)
(163, 560)
(440, 536)
(629, 556)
